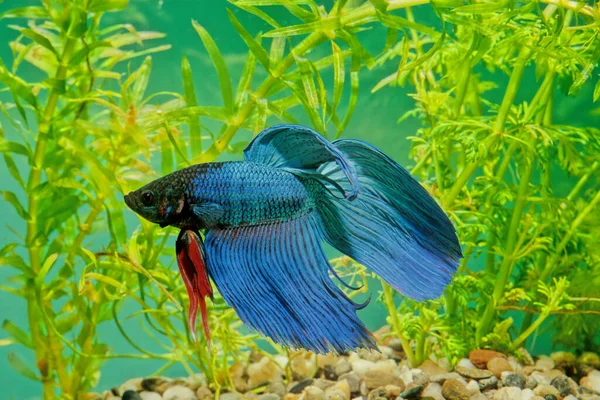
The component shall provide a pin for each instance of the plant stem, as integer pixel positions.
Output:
(31, 240)
(512, 88)
(388, 296)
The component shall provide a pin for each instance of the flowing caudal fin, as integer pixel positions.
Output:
(276, 278)
(295, 147)
(394, 227)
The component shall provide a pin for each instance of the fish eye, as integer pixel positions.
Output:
(147, 198)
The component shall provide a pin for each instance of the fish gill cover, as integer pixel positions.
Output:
(503, 132)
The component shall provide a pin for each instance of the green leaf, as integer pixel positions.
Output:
(277, 50)
(142, 76)
(107, 5)
(380, 5)
(596, 95)
(81, 54)
(18, 365)
(482, 8)
(308, 83)
(262, 3)
(396, 22)
(39, 39)
(189, 95)
(243, 88)
(294, 7)
(39, 279)
(11, 198)
(326, 24)
(338, 76)
(32, 12)
(261, 115)
(18, 334)
(259, 52)
(220, 66)
(13, 147)
(18, 86)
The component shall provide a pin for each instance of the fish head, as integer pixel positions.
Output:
(157, 203)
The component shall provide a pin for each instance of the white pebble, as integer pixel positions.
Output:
(527, 394)
(465, 362)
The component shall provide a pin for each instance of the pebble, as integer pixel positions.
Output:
(550, 397)
(543, 389)
(313, 393)
(544, 363)
(480, 358)
(479, 396)
(473, 387)
(507, 393)
(304, 366)
(473, 372)
(375, 379)
(323, 384)
(361, 367)
(527, 394)
(591, 381)
(299, 387)
(183, 393)
(540, 377)
(342, 366)
(134, 384)
(431, 368)
(487, 384)
(589, 358)
(516, 380)
(353, 381)
(262, 372)
(238, 373)
(204, 393)
(419, 378)
(277, 388)
(433, 390)
(377, 394)
(324, 360)
(498, 365)
(131, 395)
(150, 396)
(157, 384)
(564, 385)
(444, 377)
(530, 382)
(465, 363)
(339, 391)
(412, 392)
(453, 389)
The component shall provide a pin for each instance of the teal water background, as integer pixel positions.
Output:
(375, 120)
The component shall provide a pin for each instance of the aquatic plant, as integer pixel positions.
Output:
(83, 131)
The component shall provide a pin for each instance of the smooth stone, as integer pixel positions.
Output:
(239, 376)
(313, 393)
(204, 393)
(540, 377)
(268, 396)
(195, 381)
(370, 355)
(562, 384)
(591, 381)
(131, 395)
(157, 384)
(589, 396)
(544, 363)
(376, 379)
(589, 358)
(342, 366)
(353, 381)
(466, 363)
(530, 382)
(453, 389)
(304, 366)
(412, 392)
(570, 397)
(388, 366)
(430, 368)
(277, 388)
(473, 372)
(406, 376)
(339, 391)
(487, 384)
(527, 394)
(263, 372)
(516, 380)
(420, 378)
(563, 359)
(361, 367)
(473, 387)
(515, 364)
(481, 357)
(396, 344)
(393, 390)
(150, 396)
(507, 393)
(499, 365)
(131, 384)
(550, 397)
(250, 396)
(183, 393)
(543, 389)
(324, 360)
(444, 377)
(323, 384)
(525, 356)
(479, 396)
(377, 394)
(433, 390)
(299, 387)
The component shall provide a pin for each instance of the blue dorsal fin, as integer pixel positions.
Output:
(297, 147)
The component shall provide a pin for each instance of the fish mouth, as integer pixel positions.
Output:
(129, 200)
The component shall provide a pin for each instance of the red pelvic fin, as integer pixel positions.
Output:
(192, 266)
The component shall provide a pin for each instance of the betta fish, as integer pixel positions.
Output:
(264, 221)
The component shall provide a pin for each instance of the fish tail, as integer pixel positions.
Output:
(393, 226)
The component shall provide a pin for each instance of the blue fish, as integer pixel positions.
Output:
(264, 221)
